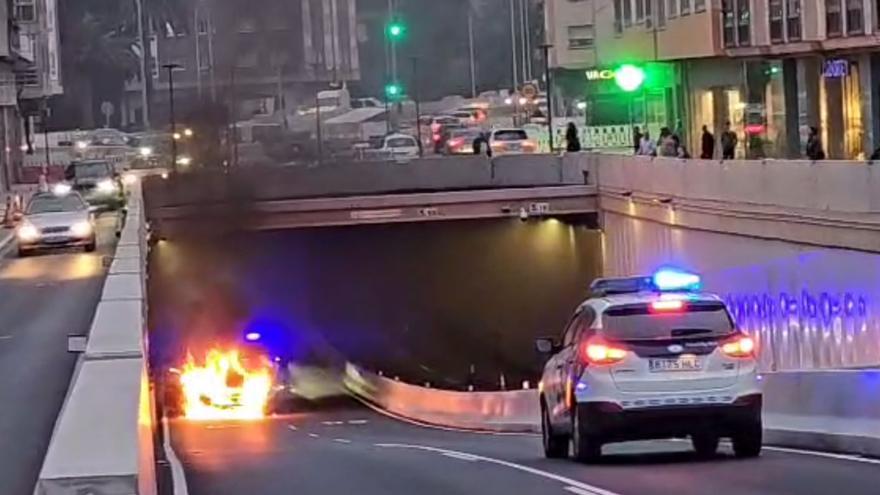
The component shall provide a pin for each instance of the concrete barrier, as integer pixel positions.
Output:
(837, 411)
(103, 438)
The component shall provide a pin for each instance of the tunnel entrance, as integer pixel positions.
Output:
(450, 303)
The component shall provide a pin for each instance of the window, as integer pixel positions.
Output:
(699, 5)
(203, 26)
(854, 19)
(672, 9)
(744, 22)
(729, 18)
(571, 330)
(26, 10)
(649, 14)
(247, 25)
(661, 14)
(627, 13)
(640, 10)
(833, 19)
(685, 7)
(777, 21)
(204, 60)
(618, 17)
(580, 37)
(793, 15)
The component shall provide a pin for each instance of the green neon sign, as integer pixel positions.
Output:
(629, 78)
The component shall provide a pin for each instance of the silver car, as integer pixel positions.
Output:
(55, 220)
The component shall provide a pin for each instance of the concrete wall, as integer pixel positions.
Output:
(768, 237)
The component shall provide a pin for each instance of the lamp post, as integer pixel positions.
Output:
(171, 68)
(416, 90)
(549, 82)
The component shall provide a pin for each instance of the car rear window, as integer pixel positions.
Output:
(512, 135)
(401, 142)
(637, 322)
(91, 170)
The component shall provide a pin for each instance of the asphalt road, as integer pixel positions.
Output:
(353, 450)
(43, 298)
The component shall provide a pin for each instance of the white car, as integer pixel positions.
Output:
(510, 142)
(400, 146)
(54, 221)
(650, 358)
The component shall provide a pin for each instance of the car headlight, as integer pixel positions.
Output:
(82, 228)
(27, 232)
(107, 186)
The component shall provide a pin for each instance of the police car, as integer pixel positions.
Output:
(650, 358)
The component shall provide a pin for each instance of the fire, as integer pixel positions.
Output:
(224, 388)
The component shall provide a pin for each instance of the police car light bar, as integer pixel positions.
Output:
(675, 280)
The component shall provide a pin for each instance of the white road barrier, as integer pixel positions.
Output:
(837, 411)
(103, 438)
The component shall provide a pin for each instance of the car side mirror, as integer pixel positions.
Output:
(546, 345)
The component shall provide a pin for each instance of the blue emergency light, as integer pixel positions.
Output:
(672, 280)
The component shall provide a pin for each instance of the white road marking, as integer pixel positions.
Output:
(461, 457)
(178, 475)
(292, 428)
(341, 440)
(578, 491)
(827, 455)
(332, 423)
(5, 337)
(587, 489)
(314, 435)
(358, 422)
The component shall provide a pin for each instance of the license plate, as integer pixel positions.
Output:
(514, 147)
(56, 239)
(683, 363)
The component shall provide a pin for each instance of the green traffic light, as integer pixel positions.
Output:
(396, 30)
(393, 91)
(629, 77)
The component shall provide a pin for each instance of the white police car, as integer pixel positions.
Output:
(650, 358)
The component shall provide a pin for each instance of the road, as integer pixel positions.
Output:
(42, 300)
(351, 449)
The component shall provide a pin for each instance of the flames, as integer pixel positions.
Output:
(225, 387)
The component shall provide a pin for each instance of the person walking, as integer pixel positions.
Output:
(707, 151)
(814, 145)
(572, 141)
(637, 139)
(728, 142)
(667, 146)
(647, 146)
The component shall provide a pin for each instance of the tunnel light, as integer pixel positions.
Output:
(676, 280)
(252, 336)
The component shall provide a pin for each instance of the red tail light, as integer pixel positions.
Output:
(741, 346)
(599, 352)
(529, 146)
(436, 138)
(455, 143)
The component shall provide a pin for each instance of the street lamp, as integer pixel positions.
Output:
(171, 68)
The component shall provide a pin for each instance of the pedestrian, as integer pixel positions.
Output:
(814, 145)
(572, 141)
(647, 146)
(728, 142)
(680, 149)
(708, 148)
(666, 145)
(479, 142)
(637, 139)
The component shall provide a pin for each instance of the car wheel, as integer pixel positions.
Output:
(555, 446)
(748, 439)
(585, 447)
(705, 443)
(90, 247)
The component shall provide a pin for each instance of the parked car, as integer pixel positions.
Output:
(509, 141)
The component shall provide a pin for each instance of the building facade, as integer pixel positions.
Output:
(266, 56)
(771, 68)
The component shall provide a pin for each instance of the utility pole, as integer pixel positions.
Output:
(471, 50)
(549, 81)
(528, 36)
(145, 60)
(392, 15)
(318, 135)
(417, 96)
(522, 23)
(513, 50)
(171, 68)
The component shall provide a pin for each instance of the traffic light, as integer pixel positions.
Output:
(396, 30)
(393, 91)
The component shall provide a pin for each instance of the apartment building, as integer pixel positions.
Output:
(772, 68)
(261, 54)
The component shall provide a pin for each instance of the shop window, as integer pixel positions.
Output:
(854, 19)
(699, 5)
(685, 7)
(661, 14)
(649, 13)
(640, 11)
(776, 11)
(672, 11)
(627, 13)
(744, 22)
(833, 19)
